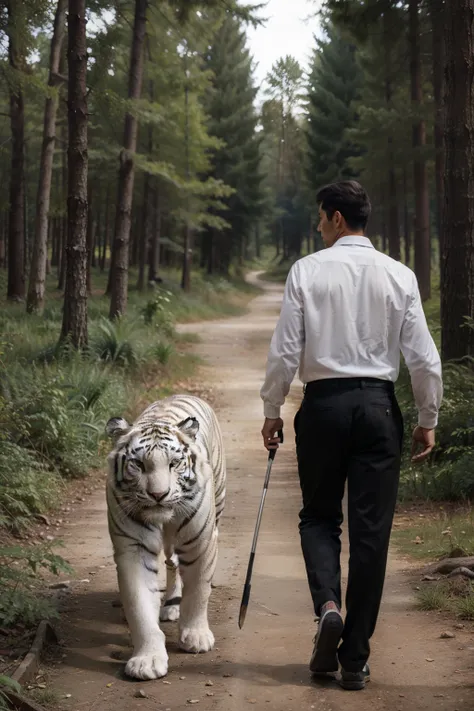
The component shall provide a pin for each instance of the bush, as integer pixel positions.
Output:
(27, 486)
(20, 575)
(450, 474)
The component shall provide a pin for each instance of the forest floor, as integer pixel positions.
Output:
(265, 665)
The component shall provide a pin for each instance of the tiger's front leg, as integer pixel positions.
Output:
(137, 573)
(197, 570)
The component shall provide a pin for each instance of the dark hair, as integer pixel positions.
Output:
(350, 198)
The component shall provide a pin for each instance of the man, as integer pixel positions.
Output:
(347, 313)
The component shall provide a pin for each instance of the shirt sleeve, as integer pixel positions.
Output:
(423, 361)
(285, 348)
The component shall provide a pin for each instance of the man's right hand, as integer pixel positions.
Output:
(424, 438)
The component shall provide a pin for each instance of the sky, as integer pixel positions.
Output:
(290, 29)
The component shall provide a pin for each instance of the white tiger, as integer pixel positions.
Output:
(166, 491)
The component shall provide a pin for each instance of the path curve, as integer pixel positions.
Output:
(265, 665)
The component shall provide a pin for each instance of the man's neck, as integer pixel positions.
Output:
(350, 233)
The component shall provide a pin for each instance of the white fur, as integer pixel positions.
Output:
(190, 553)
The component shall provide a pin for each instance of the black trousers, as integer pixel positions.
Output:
(348, 429)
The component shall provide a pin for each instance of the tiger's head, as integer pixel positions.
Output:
(154, 466)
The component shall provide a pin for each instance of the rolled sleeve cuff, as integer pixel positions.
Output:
(271, 411)
(428, 420)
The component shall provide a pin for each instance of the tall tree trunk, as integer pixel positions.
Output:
(35, 299)
(105, 242)
(457, 286)
(90, 237)
(438, 31)
(97, 233)
(393, 221)
(16, 236)
(154, 245)
(422, 214)
(144, 243)
(188, 234)
(406, 219)
(3, 234)
(75, 297)
(118, 301)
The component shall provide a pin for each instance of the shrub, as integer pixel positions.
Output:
(450, 473)
(27, 486)
(20, 573)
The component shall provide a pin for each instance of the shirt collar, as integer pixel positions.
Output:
(353, 240)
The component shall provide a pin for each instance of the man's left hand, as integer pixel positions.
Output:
(269, 429)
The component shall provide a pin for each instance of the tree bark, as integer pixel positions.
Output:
(90, 237)
(103, 256)
(144, 243)
(16, 236)
(118, 301)
(406, 219)
(393, 221)
(36, 288)
(154, 245)
(188, 233)
(457, 284)
(422, 215)
(438, 31)
(74, 325)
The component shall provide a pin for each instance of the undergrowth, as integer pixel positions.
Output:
(54, 403)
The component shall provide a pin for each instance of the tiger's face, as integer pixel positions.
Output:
(153, 465)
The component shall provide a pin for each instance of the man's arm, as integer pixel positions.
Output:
(424, 364)
(285, 348)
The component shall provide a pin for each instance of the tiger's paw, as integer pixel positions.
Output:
(169, 613)
(147, 666)
(196, 639)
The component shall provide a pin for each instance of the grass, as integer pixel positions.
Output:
(436, 538)
(46, 697)
(455, 597)
(439, 537)
(433, 597)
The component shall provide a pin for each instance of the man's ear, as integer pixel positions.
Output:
(116, 427)
(189, 427)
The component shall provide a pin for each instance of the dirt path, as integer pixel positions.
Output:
(264, 665)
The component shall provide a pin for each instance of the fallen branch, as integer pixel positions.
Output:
(464, 572)
(447, 565)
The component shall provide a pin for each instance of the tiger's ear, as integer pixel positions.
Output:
(116, 427)
(189, 427)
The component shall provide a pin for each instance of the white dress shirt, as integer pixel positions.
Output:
(347, 312)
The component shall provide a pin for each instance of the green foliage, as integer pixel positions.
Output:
(433, 597)
(450, 474)
(27, 485)
(334, 83)
(236, 161)
(162, 352)
(437, 536)
(7, 683)
(20, 575)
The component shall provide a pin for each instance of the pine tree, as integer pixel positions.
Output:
(457, 285)
(74, 325)
(335, 80)
(233, 120)
(36, 287)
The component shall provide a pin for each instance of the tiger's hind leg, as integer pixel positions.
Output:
(169, 611)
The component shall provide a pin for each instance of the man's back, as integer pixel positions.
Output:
(354, 302)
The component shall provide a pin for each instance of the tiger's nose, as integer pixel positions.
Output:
(159, 495)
